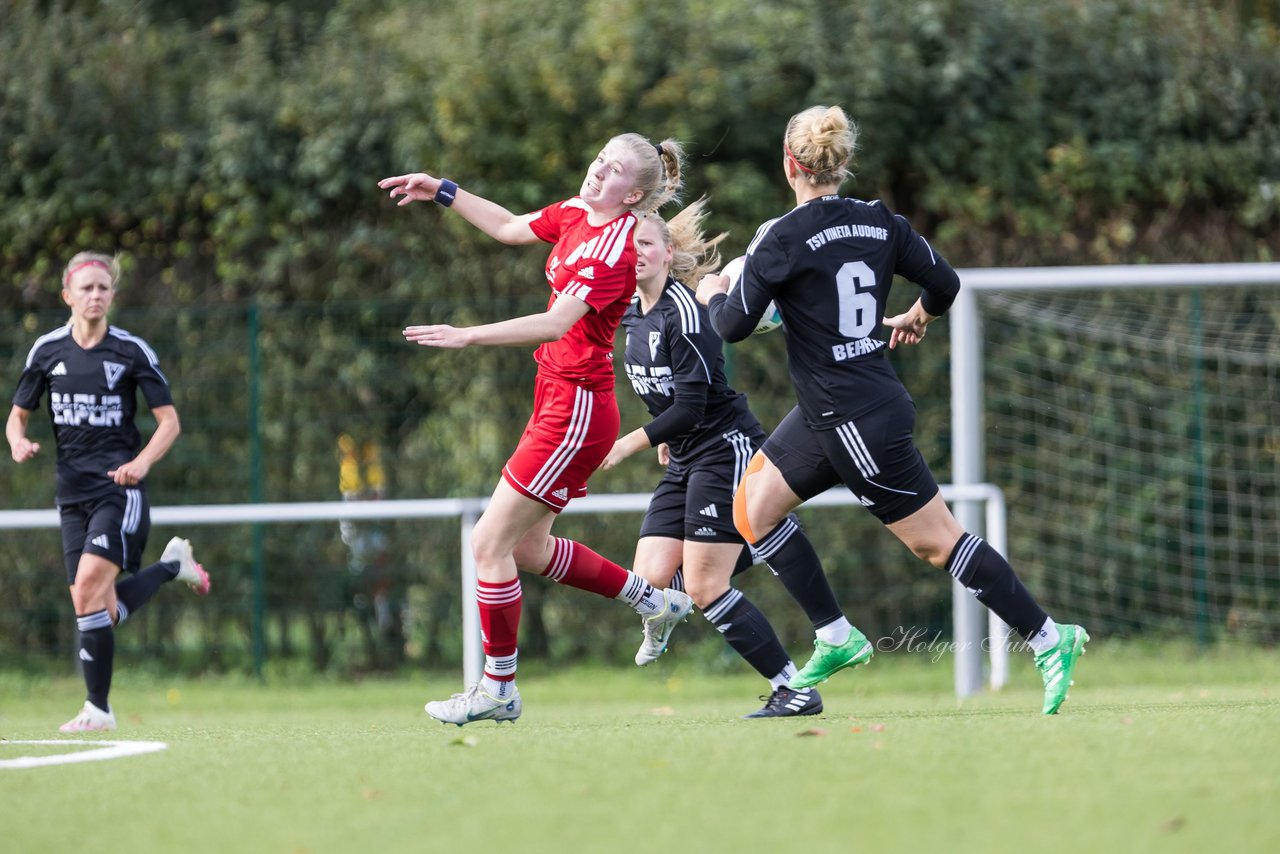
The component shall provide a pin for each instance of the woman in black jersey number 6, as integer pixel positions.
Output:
(828, 265)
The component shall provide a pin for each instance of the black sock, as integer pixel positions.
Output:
(990, 578)
(792, 558)
(136, 590)
(97, 653)
(746, 559)
(746, 630)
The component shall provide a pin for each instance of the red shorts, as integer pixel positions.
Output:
(570, 433)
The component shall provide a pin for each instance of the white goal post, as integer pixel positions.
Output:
(968, 647)
(968, 395)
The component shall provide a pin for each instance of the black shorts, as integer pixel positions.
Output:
(696, 502)
(114, 526)
(873, 455)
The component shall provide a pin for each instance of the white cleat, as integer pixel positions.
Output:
(475, 704)
(90, 719)
(654, 643)
(658, 628)
(179, 551)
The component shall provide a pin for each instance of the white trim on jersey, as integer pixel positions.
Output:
(579, 422)
(690, 322)
(686, 304)
(142, 345)
(55, 335)
(606, 246)
(577, 290)
(751, 247)
(932, 257)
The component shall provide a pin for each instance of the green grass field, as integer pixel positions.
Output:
(1157, 750)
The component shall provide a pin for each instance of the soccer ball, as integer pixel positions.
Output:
(771, 319)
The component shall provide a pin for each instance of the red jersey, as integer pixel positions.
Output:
(596, 264)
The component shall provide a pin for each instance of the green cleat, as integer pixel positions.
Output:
(1057, 665)
(829, 658)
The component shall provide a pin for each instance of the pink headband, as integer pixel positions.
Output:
(796, 160)
(81, 266)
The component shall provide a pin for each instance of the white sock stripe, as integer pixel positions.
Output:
(777, 538)
(634, 590)
(857, 449)
(96, 620)
(122, 612)
(964, 551)
(579, 423)
(561, 557)
(723, 605)
(498, 595)
(506, 663)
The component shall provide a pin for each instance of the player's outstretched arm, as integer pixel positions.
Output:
(550, 325)
(491, 218)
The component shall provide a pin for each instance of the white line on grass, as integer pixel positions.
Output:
(105, 750)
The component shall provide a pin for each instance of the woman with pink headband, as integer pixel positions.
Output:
(93, 372)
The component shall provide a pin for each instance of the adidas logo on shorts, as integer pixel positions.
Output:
(101, 541)
(562, 494)
(710, 510)
(704, 532)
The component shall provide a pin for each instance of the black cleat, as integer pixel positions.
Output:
(787, 702)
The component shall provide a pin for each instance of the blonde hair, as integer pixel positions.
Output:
(110, 263)
(658, 169)
(821, 140)
(693, 254)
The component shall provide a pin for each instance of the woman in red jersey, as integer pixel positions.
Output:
(592, 275)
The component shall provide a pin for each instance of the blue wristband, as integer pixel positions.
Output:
(447, 193)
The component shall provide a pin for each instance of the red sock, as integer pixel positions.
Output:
(499, 623)
(578, 566)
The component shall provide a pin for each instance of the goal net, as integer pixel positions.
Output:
(1134, 425)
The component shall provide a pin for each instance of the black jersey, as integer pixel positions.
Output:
(92, 401)
(828, 265)
(675, 362)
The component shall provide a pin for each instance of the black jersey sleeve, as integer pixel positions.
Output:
(693, 347)
(736, 315)
(152, 383)
(918, 262)
(31, 387)
(685, 412)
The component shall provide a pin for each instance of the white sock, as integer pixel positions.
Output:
(1046, 638)
(835, 633)
(787, 674)
(654, 601)
(499, 690)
